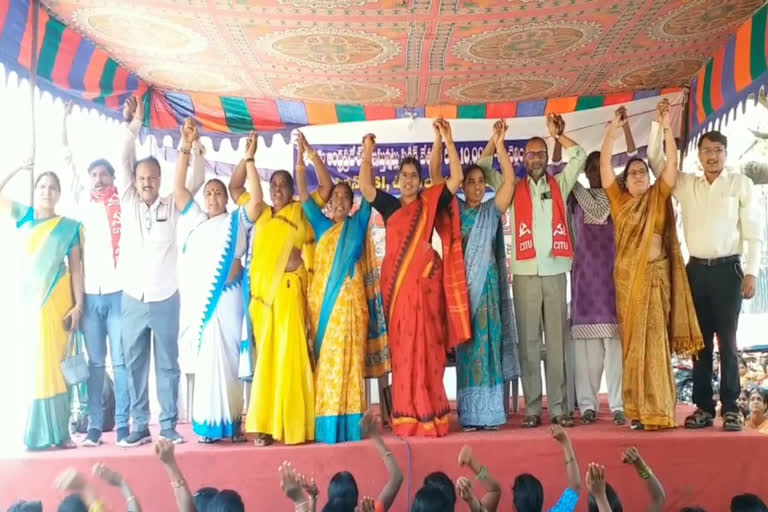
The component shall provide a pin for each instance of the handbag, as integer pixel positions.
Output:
(74, 367)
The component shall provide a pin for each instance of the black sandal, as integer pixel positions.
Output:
(619, 418)
(588, 417)
(700, 419)
(531, 421)
(564, 421)
(732, 422)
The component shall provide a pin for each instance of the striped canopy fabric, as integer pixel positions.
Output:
(232, 115)
(736, 71)
(69, 66)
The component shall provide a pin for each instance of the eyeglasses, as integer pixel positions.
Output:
(712, 151)
(542, 155)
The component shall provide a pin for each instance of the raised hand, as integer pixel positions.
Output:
(558, 434)
(436, 128)
(367, 504)
(369, 142)
(129, 108)
(139, 109)
(106, 474)
(552, 125)
(499, 131)
(661, 107)
(309, 485)
(617, 123)
(164, 449)
(595, 479)
(464, 488)
(666, 120)
(188, 132)
(445, 130)
(290, 482)
(465, 456)
(251, 144)
(631, 456)
(70, 480)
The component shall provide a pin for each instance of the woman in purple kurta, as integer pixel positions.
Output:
(594, 328)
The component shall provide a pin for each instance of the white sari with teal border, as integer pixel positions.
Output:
(212, 312)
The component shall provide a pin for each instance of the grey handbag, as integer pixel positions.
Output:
(74, 367)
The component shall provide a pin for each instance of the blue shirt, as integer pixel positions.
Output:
(567, 502)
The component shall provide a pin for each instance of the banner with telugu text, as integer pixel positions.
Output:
(344, 160)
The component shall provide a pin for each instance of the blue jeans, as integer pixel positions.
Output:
(143, 321)
(101, 319)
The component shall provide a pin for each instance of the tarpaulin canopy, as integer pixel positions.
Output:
(736, 71)
(274, 65)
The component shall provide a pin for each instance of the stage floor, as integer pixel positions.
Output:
(696, 467)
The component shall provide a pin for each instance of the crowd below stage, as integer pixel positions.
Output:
(478, 489)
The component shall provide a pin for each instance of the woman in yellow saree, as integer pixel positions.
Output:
(653, 298)
(346, 313)
(51, 305)
(282, 402)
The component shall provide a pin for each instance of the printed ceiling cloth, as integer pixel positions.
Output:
(739, 69)
(272, 65)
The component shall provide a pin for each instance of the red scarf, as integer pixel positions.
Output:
(111, 201)
(561, 238)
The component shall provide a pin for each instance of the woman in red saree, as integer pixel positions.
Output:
(425, 297)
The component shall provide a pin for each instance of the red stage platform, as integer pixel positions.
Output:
(705, 468)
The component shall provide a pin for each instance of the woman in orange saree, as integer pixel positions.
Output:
(653, 298)
(425, 297)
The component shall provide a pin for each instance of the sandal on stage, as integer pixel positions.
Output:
(531, 421)
(732, 422)
(239, 438)
(207, 440)
(493, 428)
(588, 417)
(700, 419)
(263, 440)
(470, 429)
(563, 420)
(636, 425)
(619, 418)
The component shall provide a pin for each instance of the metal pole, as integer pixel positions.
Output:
(32, 90)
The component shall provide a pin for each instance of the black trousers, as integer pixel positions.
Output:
(717, 298)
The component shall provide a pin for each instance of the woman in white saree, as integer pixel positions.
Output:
(212, 302)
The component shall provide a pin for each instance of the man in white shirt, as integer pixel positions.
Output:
(148, 271)
(719, 216)
(100, 215)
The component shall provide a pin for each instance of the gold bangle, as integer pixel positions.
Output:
(251, 159)
(186, 151)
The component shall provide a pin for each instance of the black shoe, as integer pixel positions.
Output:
(136, 438)
(122, 434)
(171, 435)
(92, 439)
